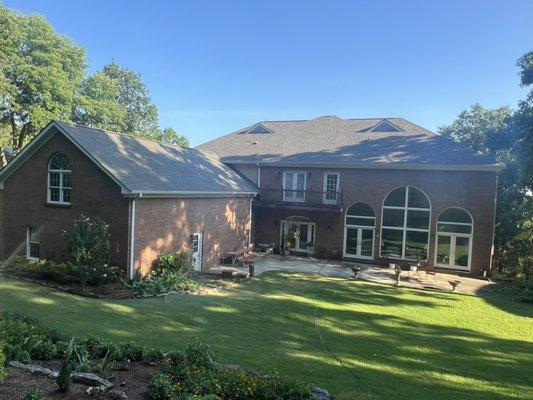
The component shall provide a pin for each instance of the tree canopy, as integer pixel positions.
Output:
(43, 76)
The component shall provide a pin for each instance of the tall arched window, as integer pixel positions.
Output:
(405, 224)
(59, 179)
(359, 226)
(454, 239)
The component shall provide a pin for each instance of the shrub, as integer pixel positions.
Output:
(64, 379)
(44, 350)
(158, 284)
(160, 387)
(180, 263)
(129, 351)
(33, 394)
(3, 361)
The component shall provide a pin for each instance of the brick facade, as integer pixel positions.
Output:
(23, 202)
(473, 191)
(166, 225)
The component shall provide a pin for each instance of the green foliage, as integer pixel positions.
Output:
(64, 379)
(506, 136)
(39, 73)
(170, 136)
(3, 361)
(33, 393)
(180, 263)
(153, 284)
(160, 387)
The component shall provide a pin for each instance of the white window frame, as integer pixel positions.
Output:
(404, 229)
(453, 236)
(29, 230)
(61, 187)
(294, 188)
(198, 254)
(359, 234)
(325, 200)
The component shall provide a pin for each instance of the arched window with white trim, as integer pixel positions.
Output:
(359, 224)
(405, 224)
(453, 247)
(59, 183)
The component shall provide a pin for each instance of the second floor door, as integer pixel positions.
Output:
(294, 186)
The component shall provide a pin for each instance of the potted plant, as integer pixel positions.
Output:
(290, 241)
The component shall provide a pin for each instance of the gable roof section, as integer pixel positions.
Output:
(333, 141)
(144, 167)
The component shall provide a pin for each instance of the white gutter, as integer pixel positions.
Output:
(191, 194)
(131, 266)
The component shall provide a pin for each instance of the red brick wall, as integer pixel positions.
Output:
(473, 191)
(94, 194)
(166, 225)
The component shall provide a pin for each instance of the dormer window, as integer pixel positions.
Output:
(258, 128)
(59, 183)
(385, 126)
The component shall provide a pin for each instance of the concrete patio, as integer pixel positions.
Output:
(372, 273)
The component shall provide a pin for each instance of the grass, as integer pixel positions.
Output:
(394, 343)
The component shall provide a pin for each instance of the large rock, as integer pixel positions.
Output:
(90, 379)
(101, 393)
(34, 369)
(320, 394)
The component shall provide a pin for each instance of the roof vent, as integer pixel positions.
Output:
(258, 128)
(384, 126)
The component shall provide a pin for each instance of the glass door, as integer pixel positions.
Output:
(359, 242)
(294, 186)
(453, 251)
(304, 234)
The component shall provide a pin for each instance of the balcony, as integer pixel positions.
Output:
(300, 199)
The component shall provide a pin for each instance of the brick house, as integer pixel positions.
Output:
(155, 197)
(367, 189)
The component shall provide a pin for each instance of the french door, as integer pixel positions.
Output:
(359, 242)
(294, 186)
(304, 233)
(453, 251)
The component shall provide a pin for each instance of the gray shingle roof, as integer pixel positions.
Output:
(333, 140)
(148, 166)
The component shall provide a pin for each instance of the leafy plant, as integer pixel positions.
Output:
(64, 379)
(33, 393)
(160, 387)
(180, 263)
(3, 361)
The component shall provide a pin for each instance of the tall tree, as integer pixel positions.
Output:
(169, 135)
(524, 118)
(39, 73)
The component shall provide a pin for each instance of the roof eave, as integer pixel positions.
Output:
(182, 193)
(422, 167)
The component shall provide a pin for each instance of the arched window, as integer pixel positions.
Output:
(359, 224)
(454, 239)
(405, 224)
(59, 179)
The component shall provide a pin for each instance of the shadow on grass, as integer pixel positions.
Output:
(389, 338)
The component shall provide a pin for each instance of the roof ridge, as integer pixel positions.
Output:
(129, 135)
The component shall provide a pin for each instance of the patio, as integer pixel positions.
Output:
(369, 272)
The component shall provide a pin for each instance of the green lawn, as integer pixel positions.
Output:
(394, 343)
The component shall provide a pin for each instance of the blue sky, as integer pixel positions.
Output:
(216, 66)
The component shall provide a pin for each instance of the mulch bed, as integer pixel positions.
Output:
(133, 382)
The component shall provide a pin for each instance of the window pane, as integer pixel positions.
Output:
(66, 195)
(462, 246)
(54, 179)
(396, 198)
(455, 215)
(367, 242)
(417, 199)
(54, 194)
(351, 241)
(393, 217)
(452, 228)
(416, 244)
(300, 181)
(66, 179)
(360, 209)
(359, 221)
(60, 161)
(443, 249)
(418, 219)
(34, 250)
(391, 243)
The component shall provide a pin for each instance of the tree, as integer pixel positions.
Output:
(524, 119)
(169, 135)
(39, 73)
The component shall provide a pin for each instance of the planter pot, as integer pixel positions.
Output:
(286, 252)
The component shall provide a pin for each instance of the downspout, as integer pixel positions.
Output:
(131, 266)
(491, 260)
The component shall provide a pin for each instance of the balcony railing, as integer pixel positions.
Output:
(304, 197)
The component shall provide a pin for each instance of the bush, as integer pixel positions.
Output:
(160, 387)
(44, 350)
(64, 379)
(3, 361)
(158, 284)
(180, 263)
(33, 394)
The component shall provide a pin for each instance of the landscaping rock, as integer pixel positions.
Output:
(34, 369)
(90, 379)
(320, 394)
(101, 393)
